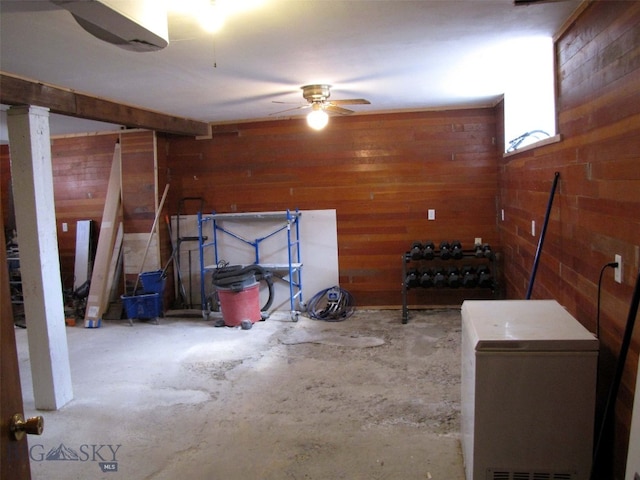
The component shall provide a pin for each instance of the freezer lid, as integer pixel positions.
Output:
(524, 325)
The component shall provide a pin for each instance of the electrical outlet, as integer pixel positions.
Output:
(431, 214)
(502, 214)
(478, 241)
(617, 273)
(533, 228)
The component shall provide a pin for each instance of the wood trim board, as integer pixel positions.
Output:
(98, 299)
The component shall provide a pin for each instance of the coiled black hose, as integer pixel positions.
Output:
(332, 305)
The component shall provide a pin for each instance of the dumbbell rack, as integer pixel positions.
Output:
(466, 258)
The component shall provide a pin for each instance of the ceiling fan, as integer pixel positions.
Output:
(531, 2)
(317, 97)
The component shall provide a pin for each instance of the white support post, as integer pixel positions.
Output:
(32, 179)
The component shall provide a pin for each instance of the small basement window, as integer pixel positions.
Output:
(529, 97)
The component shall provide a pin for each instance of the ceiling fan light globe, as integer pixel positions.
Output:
(317, 119)
(212, 18)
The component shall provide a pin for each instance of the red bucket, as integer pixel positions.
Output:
(237, 306)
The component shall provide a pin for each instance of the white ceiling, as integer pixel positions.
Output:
(400, 55)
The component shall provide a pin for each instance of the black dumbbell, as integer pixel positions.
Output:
(456, 250)
(453, 278)
(469, 277)
(428, 251)
(413, 278)
(416, 251)
(426, 280)
(478, 250)
(439, 278)
(445, 250)
(486, 250)
(485, 278)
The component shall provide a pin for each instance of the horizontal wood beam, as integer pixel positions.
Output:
(20, 91)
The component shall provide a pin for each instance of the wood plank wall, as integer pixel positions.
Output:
(383, 172)
(595, 213)
(81, 167)
(6, 196)
(166, 249)
(140, 197)
(139, 190)
(380, 172)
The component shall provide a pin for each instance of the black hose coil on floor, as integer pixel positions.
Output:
(332, 305)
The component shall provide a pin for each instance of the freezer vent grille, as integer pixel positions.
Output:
(496, 474)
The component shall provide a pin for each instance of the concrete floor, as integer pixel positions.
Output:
(366, 398)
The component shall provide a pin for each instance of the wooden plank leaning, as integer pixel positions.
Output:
(98, 298)
(153, 228)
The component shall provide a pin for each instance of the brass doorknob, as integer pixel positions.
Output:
(32, 426)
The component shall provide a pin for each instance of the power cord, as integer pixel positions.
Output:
(608, 414)
(515, 143)
(612, 265)
(332, 305)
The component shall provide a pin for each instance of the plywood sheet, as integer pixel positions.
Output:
(113, 264)
(134, 245)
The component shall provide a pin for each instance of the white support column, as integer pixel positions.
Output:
(32, 179)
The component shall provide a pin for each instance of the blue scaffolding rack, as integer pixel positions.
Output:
(290, 272)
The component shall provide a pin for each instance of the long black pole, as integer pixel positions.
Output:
(607, 415)
(542, 234)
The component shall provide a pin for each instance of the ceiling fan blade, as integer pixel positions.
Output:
(351, 101)
(330, 107)
(531, 2)
(290, 109)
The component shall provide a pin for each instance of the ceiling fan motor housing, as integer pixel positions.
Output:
(316, 93)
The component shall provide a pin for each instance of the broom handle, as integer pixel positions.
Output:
(542, 235)
(153, 227)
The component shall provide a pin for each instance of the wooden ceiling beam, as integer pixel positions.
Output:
(20, 91)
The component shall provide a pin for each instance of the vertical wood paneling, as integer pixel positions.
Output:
(138, 181)
(139, 200)
(596, 210)
(81, 167)
(6, 197)
(380, 172)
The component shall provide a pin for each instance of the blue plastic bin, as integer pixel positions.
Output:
(153, 282)
(145, 307)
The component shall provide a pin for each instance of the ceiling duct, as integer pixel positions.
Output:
(137, 25)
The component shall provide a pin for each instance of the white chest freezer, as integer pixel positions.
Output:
(528, 391)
